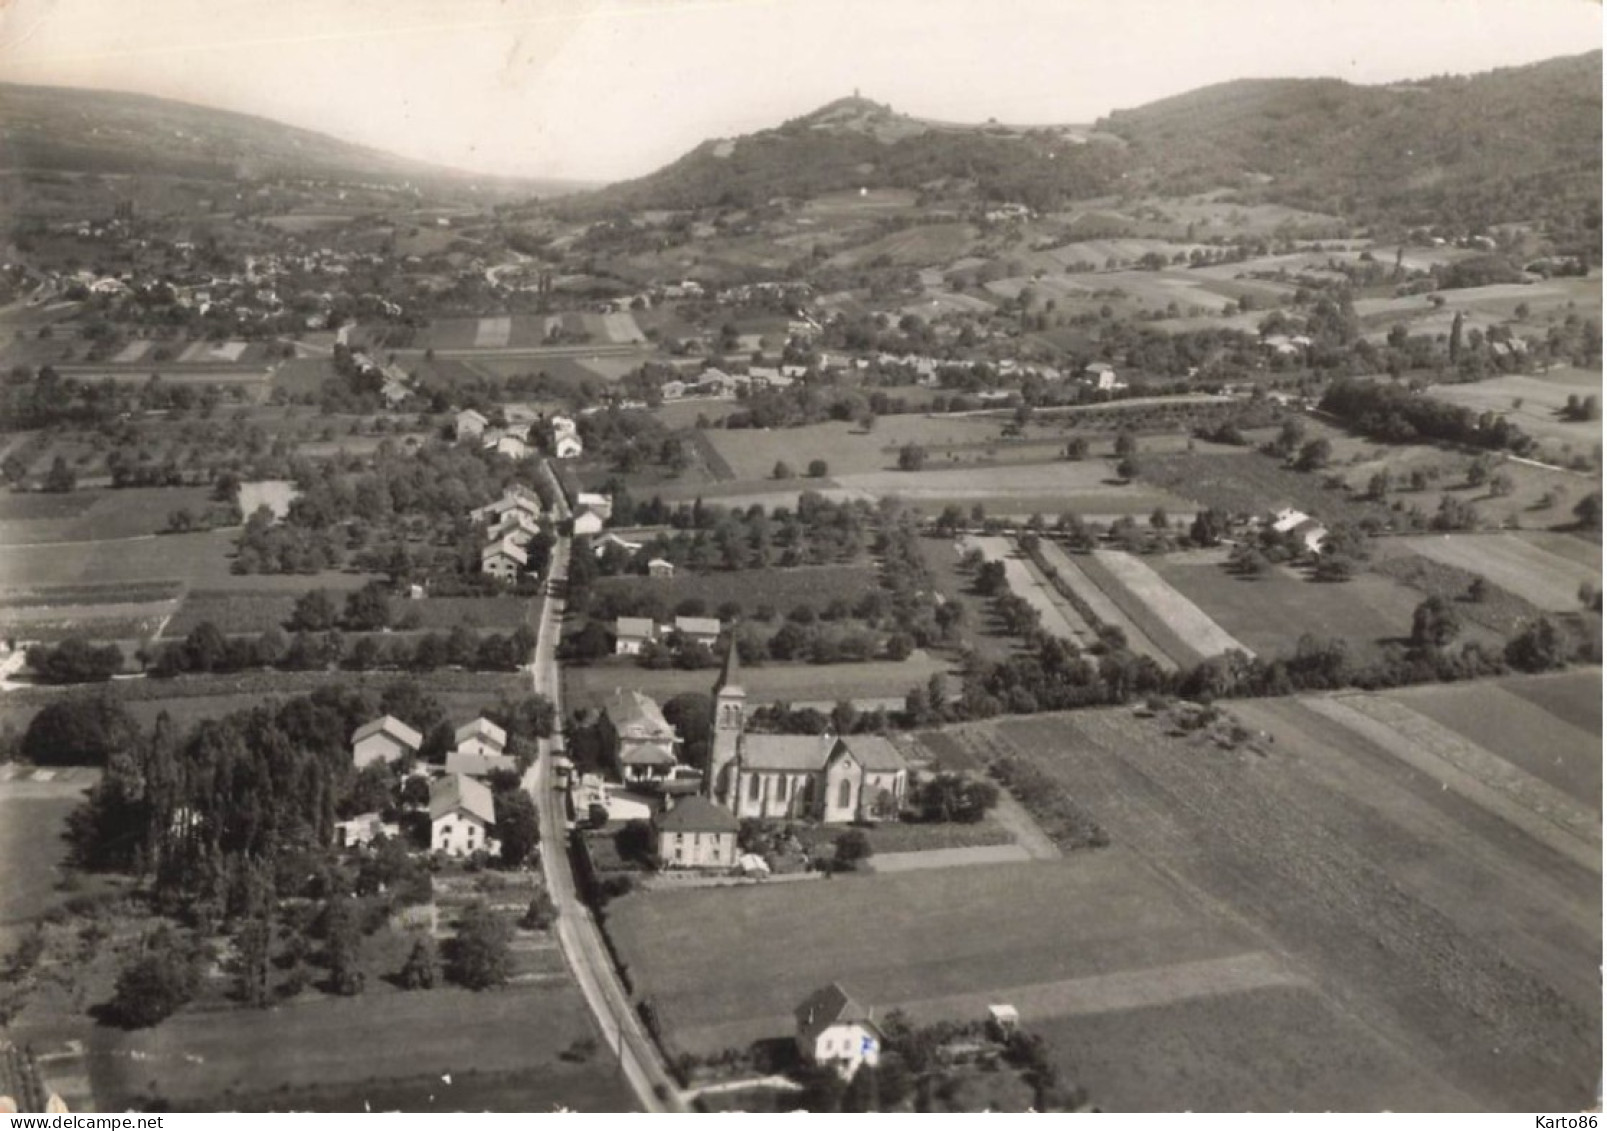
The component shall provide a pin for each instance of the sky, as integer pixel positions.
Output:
(609, 89)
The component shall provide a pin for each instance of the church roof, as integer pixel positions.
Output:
(786, 751)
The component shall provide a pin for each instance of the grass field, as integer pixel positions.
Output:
(1422, 915)
(1545, 579)
(1087, 487)
(1272, 611)
(178, 557)
(1250, 483)
(390, 1042)
(191, 698)
(1506, 720)
(32, 849)
(728, 964)
(781, 589)
(1540, 399)
(250, 611)
(100, 514)
(1198, 633)
(1083, 577)
(773, 683)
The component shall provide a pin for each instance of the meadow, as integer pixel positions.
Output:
(1402, 897)
(781, 590)
(1545, 579)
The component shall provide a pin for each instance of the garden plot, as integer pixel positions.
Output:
(1546, 580)
(493, 333)
(1198, 631)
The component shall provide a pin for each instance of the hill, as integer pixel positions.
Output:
(1522, 143)
(853, 142)
(70, 130)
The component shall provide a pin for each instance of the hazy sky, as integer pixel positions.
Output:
(606, 89)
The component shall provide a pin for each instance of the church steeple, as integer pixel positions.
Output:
(730, 701)
(730, 704)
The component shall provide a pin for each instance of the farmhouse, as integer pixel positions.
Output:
(612, 539)
(482, 736)
(592, 500)
(514, 498)
(695, 833)
(658, 567)
(822, 778)
(1101, 375)
(632, 634)
(637, 738)
(588, 521)
(699, 630)
(470, 424)
(565, 440)
(507, 444)
(517, 526)
(835, 1029)
(1287, 519)
(384, 740)
(503, 559)
(363, 829)
(462, 816)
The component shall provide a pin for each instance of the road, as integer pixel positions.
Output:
(578, 932)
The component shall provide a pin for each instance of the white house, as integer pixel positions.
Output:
(588, 521)
(612, 539)
(1287, 519)
(835, 1029)
(658, 567)
(517, 526)
(470, 424)
(504, 559)
(463, 818)
(482, 736)
(632, 634)
(1102, 375)
(602, 504)
(696, 833)
(507, 444)
(363, 829)
(567, 445)
(384, 740)
(700, 630)
(481, 749)
(514, 498)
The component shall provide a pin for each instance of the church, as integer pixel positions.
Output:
(823, 778)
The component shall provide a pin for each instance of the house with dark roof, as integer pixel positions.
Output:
(695, 833)
(826, 777)
(835, 1029)
(384, 739)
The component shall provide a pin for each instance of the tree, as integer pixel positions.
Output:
(1210, 526)
(1127, 468)
(1077, 449)
(849, 849)
(479, 956)
(1478, 590)
(818, 469)
(518, 827)
(79, 732)
(1540, 647)
(542, 912)
(253, 943)
(419, 971)
(1126, 444)
(911, 457)
(313, 612)
(1314, 455)
(60, 478)
(155, 984)
(782, 470)
(1588, 511)
(1434, 624)
(342, 935)
(1378, 486)
(367, 609)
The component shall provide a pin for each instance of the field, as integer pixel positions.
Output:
(781, 589)
(1272, 611)
(1430, 903)
(94, 514)
(191, 698)
(1250, 483)
(1198, 633)
(727, 966)
(1545, 579)
(869, 684)
(33, 818)
(1542, 398)
(1059, 617)
(361, 1049)
(1083, 577)
(1086, 487)
(253, 611)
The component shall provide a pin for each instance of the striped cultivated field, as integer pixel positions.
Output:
(1197, 630)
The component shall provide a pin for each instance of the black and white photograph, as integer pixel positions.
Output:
(830, 556)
